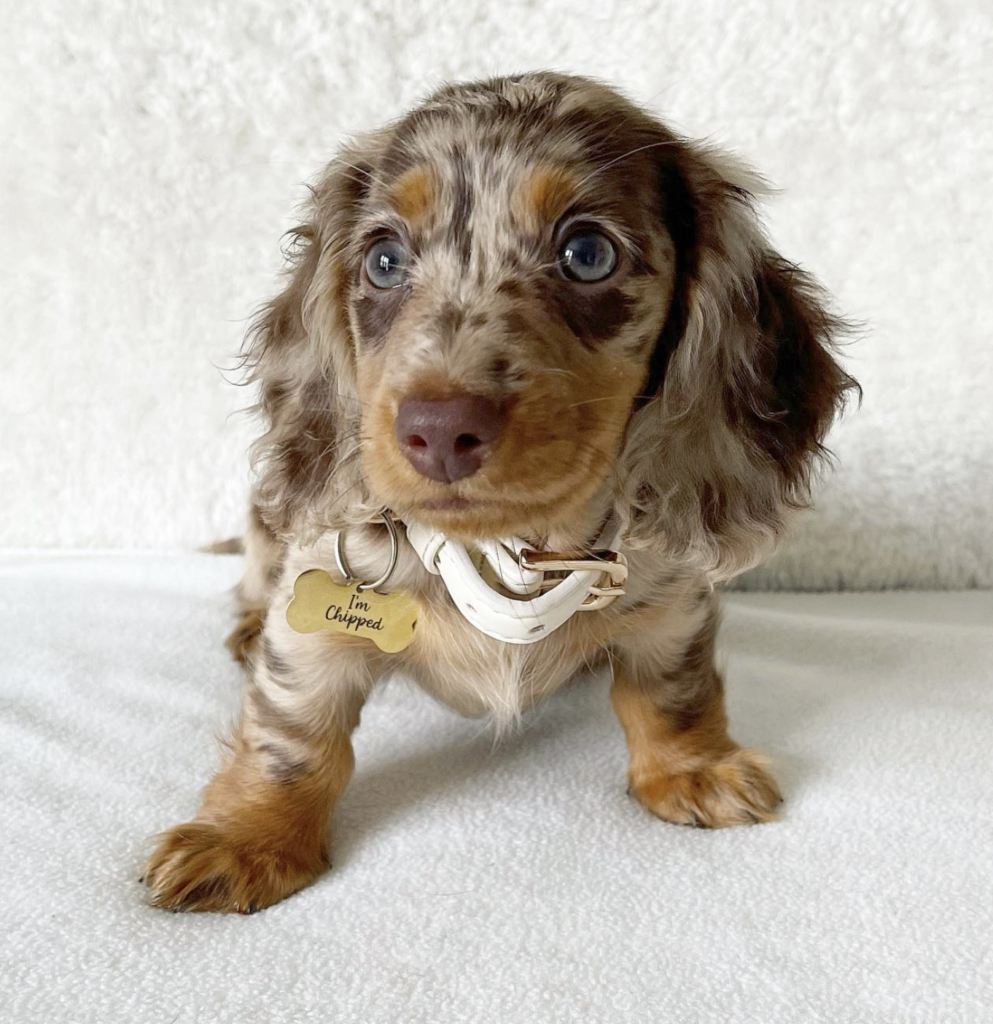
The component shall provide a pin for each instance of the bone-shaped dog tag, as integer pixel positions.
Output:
(387, 620)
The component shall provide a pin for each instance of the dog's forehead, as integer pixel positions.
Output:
(519, 161)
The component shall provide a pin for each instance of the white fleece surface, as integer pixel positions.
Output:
(153, 153)
(515, 884)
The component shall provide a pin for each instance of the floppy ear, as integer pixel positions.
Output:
(299, 351)
(743, 382)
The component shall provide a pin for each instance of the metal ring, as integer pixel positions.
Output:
(339, 554)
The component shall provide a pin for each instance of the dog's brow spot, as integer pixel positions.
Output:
(544, 195)
(414, 194)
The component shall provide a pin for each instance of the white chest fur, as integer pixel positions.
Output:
(476, 675)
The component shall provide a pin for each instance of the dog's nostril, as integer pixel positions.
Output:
(447, 439)
(466, 442)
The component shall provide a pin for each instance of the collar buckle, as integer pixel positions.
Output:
(611, 564)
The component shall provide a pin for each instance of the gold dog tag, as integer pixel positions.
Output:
(387, 620)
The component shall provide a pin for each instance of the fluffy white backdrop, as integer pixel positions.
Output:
(154, 152)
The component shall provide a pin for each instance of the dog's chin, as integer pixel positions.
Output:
(473, 518)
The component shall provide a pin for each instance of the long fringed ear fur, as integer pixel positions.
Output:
(743, 382)
(299, 352)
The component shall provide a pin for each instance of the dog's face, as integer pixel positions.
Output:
(511, 286)
(529, 292)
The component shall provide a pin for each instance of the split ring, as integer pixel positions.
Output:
(339, 553)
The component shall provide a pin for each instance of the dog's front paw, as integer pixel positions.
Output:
(737, 789)
(203, 866)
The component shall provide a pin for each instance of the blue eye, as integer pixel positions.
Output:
(587, 256)
(386, 263)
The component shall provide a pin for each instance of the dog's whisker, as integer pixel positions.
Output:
(366, 172)
(593, 401)
(624, 156)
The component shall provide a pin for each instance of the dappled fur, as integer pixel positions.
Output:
(725, 449)
(690, 392)
(716, 458)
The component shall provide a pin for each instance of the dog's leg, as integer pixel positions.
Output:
(261, 832)
(669, 698)
(263, 559)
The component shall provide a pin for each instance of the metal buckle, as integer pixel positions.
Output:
(610, 563)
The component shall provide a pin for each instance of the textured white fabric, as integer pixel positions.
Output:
(153, 153)
(515, 884)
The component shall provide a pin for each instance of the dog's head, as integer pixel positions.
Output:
(528, 300)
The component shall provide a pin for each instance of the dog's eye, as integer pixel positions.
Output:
(386, 263)
(587, 256)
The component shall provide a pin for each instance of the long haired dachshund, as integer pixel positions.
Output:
(525, 309)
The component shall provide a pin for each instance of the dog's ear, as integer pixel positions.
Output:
(300, 353)
(743, 384)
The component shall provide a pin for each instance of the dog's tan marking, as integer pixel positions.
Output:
(414, 195)
(683, 765)
(544, 195)
(261, 833)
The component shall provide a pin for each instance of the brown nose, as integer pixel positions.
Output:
(446, 439)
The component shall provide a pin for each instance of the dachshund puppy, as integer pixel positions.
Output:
(523, 310)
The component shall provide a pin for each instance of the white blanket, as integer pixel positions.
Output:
(506, 884)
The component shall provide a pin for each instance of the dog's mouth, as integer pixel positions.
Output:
(458, 513)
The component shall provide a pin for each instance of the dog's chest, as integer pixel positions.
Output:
(475, 674)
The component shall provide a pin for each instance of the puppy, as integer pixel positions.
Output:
(527, 309)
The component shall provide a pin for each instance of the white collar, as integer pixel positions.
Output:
(541, 605)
